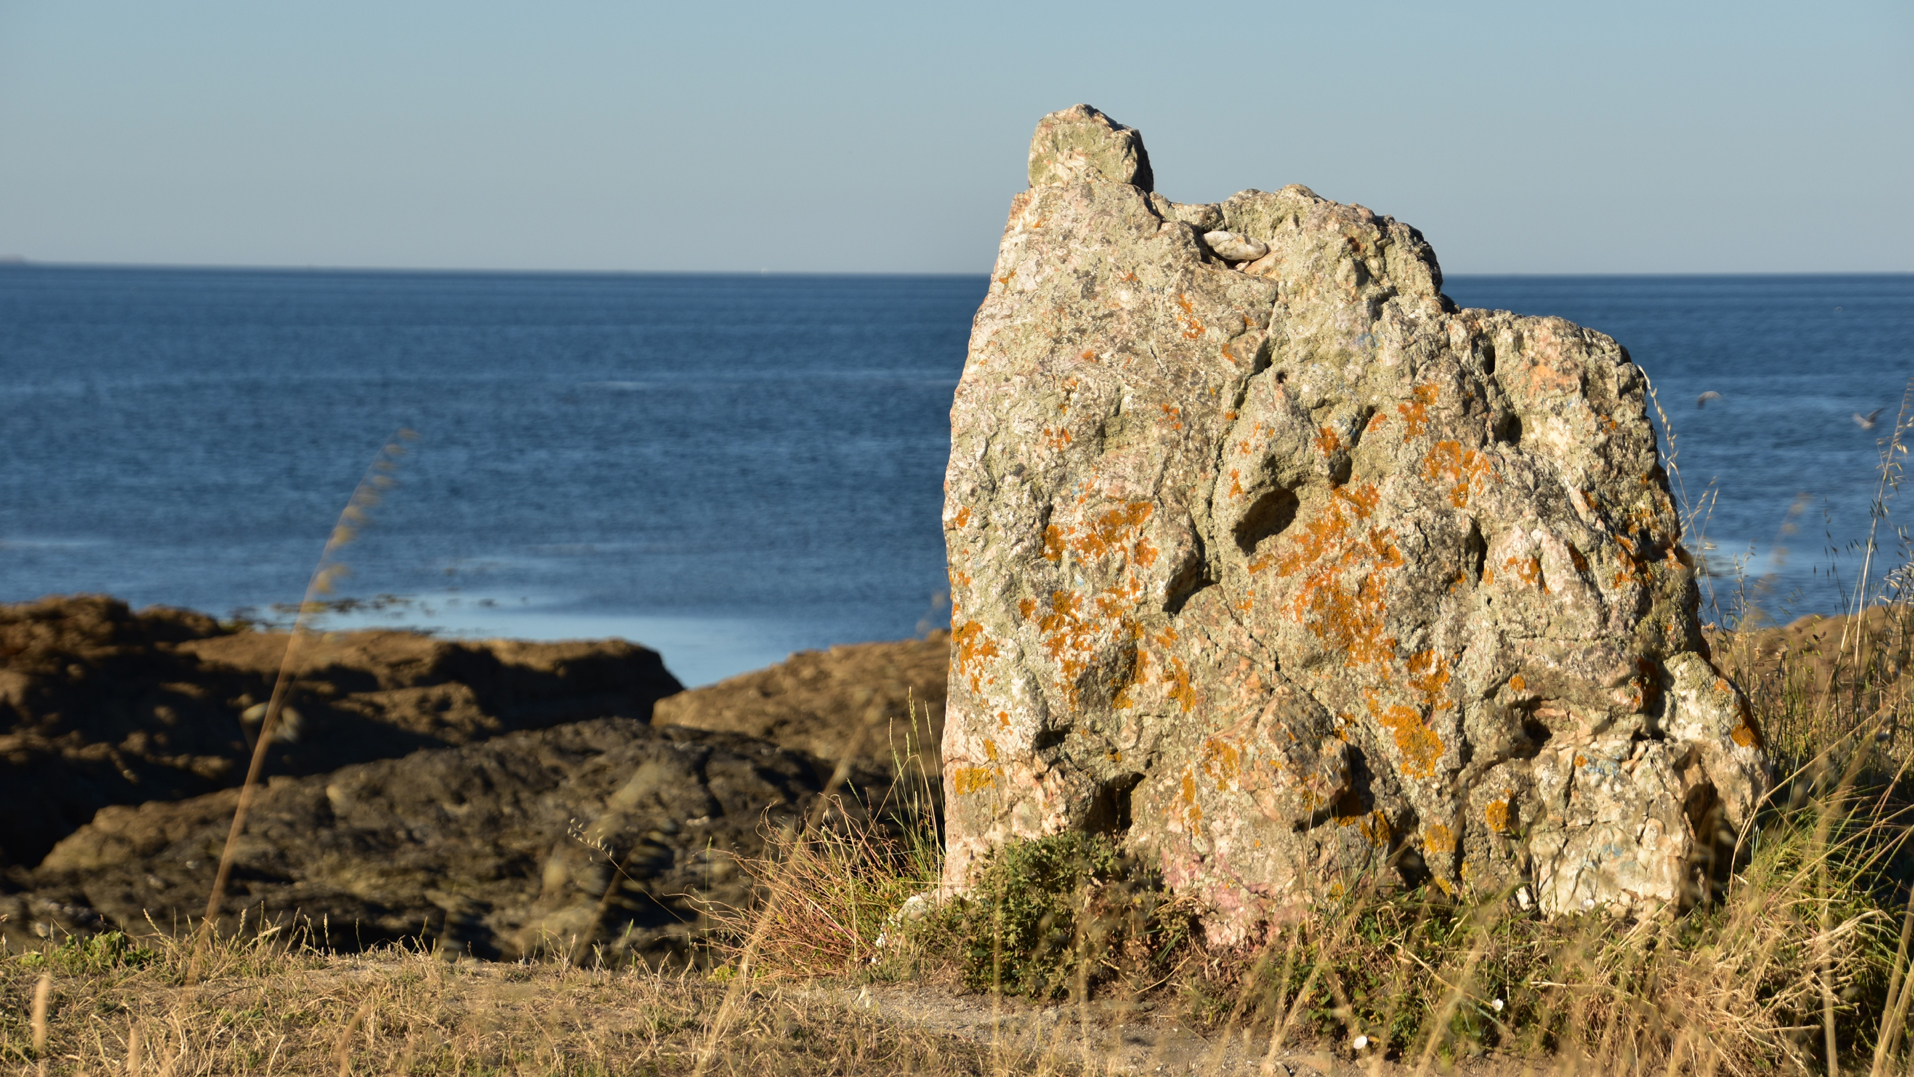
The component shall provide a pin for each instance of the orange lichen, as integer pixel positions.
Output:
(1436, 838)
(962, 519)
(1448, 462)
(1118, 531)
(1340, 597)
(1416, 743)
(1193, 326)
(1746, 733)
(1056, 438)
(1180, 689)
(1053, 543)
(1223, 762)
(1429, 675)
(973, 648)
(1415, 413)
(1528, 571)
(1518, 684)
(1327, 441)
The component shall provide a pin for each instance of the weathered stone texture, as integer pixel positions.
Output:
(1266, 555)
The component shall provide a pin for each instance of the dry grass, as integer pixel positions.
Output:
(120, 1008)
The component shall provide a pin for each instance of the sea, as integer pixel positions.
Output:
(730, 468)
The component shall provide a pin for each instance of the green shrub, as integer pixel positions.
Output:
(1060, 915)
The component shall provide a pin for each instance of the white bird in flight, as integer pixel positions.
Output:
(1866, 422)
(1702, 400)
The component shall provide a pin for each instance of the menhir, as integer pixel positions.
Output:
(1268, 558)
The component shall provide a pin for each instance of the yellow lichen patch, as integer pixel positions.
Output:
(1415, 413)
(1340, 599)
(1497, 815)
(1417, 745)
(1437, 839)
(969, 780)
(990, 749)
(973, 648)
(1449, 463)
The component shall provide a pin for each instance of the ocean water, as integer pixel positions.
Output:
(725, 468)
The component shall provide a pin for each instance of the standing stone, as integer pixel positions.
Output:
(1290, 572)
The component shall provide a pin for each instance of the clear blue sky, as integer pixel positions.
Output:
(582, 134)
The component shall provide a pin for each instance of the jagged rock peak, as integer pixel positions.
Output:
(1080, 144)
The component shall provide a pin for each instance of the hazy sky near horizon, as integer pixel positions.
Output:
(591, 135)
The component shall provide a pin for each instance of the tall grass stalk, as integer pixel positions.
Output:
(357, 513)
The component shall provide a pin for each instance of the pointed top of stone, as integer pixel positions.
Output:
(1080, 144)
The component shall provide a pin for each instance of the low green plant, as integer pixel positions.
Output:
(1057, 916)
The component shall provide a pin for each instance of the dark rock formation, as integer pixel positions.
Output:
(606, 834)
(101, 706)
(877, 703)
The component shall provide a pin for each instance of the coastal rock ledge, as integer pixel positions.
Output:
(1270, 560)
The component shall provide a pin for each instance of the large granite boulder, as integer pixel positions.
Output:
(1267, 557)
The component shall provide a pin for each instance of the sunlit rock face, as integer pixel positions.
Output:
(1267, 557)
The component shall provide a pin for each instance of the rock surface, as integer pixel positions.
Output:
(1294, 573)
(502, 848)
(879, 704)
(100, 705)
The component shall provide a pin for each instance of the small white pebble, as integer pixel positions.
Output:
(1360, 1043)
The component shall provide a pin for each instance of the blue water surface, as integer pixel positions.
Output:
(726, 468)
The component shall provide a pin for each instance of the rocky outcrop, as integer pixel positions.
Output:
(1268, 557)
(101, 706)
(880, 705)
(606, 837)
